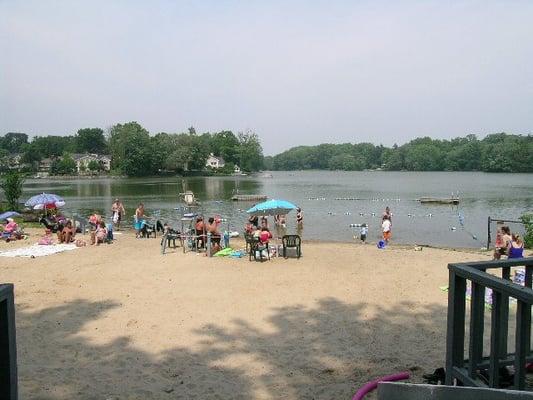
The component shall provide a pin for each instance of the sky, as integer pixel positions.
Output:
(294, 72)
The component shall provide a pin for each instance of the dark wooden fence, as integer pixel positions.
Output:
(468, 370)
(8, 349)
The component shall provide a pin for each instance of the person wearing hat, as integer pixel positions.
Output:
(118, 211)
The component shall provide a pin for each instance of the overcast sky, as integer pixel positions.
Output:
(302, 72)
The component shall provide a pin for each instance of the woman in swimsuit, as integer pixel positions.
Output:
(516, 247)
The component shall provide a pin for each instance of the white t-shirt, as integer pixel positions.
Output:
(386, 225)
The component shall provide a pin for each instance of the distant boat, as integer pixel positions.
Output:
(266, 175)
(248, 197)
(437, 200)
(189, 198)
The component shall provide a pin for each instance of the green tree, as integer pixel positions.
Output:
(131, 149)
(94, 166)
(527, 220)
(12, 186)
(163, 145)
(53, 146)
(13, 141)
(91, 140)
(226, 145)
(63, 166)
(251, 152)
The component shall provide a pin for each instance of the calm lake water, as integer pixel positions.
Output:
(498, 195)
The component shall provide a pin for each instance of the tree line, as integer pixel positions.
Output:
(498, 152)
(134, 151)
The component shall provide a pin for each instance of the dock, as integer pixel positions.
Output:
(436, 200)
(248, 197)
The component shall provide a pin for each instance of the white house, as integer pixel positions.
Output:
(83, 160)
(215, 162)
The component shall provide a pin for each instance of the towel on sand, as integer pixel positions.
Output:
(37, 250)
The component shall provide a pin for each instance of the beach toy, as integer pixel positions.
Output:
(381, 244)
(368, 387)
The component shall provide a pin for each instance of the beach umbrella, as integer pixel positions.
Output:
(45, 200)
(9, 214)
(272, 207)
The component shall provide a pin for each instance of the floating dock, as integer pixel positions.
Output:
(435, 200)
(248, 197)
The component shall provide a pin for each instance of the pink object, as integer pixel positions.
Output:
(368, 387)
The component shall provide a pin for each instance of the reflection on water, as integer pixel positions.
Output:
(498, 195)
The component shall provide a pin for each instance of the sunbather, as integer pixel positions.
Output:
(100, 234)
(10, 230)
(66, 235)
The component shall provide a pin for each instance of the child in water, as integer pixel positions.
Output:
(363, 231)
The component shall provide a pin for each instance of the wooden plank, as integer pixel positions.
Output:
(506, 275)
(455, 335)
(524, 294)
(477, 316)
(8, 347)
(522, 341)
(513, 262)
(495, 339)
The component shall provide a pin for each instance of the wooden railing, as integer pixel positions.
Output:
(477, 370)
(8, 349)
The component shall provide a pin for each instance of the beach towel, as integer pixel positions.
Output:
(37, 250)
(225, 252)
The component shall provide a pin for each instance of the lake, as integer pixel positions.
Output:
(317, 192)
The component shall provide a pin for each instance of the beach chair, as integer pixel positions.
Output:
(49, 224)
(292, 241)
(260, 251)
(148, 230)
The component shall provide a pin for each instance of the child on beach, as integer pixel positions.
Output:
(100, 235)
(363, 231)
(386, 228)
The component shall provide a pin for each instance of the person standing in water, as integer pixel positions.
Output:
(387, 215)
(299, 220)
(118, 212)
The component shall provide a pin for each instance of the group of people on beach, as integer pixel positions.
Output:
(507, 243)
(256, 225)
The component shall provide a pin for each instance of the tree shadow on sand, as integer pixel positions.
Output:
(321, 352)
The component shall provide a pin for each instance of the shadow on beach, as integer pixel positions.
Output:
(323, 352)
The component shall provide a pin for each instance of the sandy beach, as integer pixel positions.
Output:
(122, 321)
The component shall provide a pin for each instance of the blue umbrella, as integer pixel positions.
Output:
(44, 200)
(272, 207)
(9, 214)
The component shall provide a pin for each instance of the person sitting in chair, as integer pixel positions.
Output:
(264, 235)
(212, 227)
(199, 227)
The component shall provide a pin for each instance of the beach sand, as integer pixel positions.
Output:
(122, 321)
